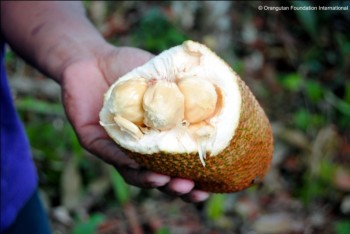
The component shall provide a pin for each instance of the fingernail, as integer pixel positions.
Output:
(200, 196)
(158, 180)
(182, 186)
(134, 166)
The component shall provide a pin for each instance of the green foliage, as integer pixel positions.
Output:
(40, 107)
(9, 56)
(163, 230)
(345, 47)
(48, 128)
(314, 91)
(301, 118)
(88, 226)
(326, 171)
(52, 139)
(238, 66)
(292, 82)
(215, 206)
(341, 105)
(316, 96)
(86, 3)
(347, 93)
(307, 18)
(311, 191)
(313, 184)
(155, 33)
(305, 120)
(342, 227)
(120, 188)
(343, 44)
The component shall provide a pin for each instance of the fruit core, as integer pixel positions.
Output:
(187, 104)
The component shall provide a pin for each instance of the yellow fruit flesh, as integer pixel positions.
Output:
(127, 100)
(163, 105)
(201, 99)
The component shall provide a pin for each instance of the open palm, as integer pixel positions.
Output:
(84, 83)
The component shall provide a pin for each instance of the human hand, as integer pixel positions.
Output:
(84, 83)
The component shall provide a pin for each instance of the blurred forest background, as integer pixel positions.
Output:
(297, 63)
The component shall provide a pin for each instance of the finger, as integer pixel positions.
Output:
(119, 61)
(110, 153)
(95, 140)
(178, 187)
(143, 178)
(195, 196)
(133, 174)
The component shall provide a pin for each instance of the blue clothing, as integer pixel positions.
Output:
(18, 174)
(31, 219)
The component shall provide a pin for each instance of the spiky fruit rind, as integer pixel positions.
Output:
(246, 159)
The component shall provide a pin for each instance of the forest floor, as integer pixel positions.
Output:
(297, 63)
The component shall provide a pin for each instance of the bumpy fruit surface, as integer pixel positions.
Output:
(190, 116)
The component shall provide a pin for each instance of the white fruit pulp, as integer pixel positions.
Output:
(190, 59)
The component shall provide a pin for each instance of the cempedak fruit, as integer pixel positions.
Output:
(187, 114)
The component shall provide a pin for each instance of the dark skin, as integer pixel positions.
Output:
(58, 39)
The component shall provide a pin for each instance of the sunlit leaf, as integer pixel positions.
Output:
(301, 118)
(291, 82)
(215, 206)
(89, 226)
(163, 230)
(314, 91)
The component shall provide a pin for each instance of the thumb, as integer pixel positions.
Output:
(118, 61)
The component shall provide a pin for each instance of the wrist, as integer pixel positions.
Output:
(49, 34)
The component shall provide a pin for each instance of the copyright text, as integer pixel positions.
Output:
(303, 8)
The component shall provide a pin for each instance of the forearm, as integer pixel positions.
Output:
(49, 34)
